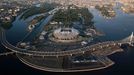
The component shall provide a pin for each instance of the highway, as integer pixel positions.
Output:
(91, 48)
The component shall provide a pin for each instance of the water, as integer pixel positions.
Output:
(116, 28)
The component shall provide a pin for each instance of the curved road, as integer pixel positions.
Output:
(91, 48)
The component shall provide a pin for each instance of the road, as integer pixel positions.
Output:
(83, 50)
(7, 53)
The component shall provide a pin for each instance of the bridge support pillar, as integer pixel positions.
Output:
(83, 52)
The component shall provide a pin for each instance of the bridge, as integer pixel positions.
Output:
(129, 39)
(7, 53)
(92, 48)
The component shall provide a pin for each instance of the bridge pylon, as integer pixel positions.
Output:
(129, 40)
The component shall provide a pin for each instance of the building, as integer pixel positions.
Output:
(66, 34)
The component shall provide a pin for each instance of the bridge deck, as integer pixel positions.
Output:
(7, 53)
(91, 48)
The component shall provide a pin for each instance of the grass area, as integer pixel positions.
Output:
(105, 10)
(6, 25)
(32, 11)
(70, 15)
(37, 19)
(73, 15)
(86, 15)
(37, 10)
